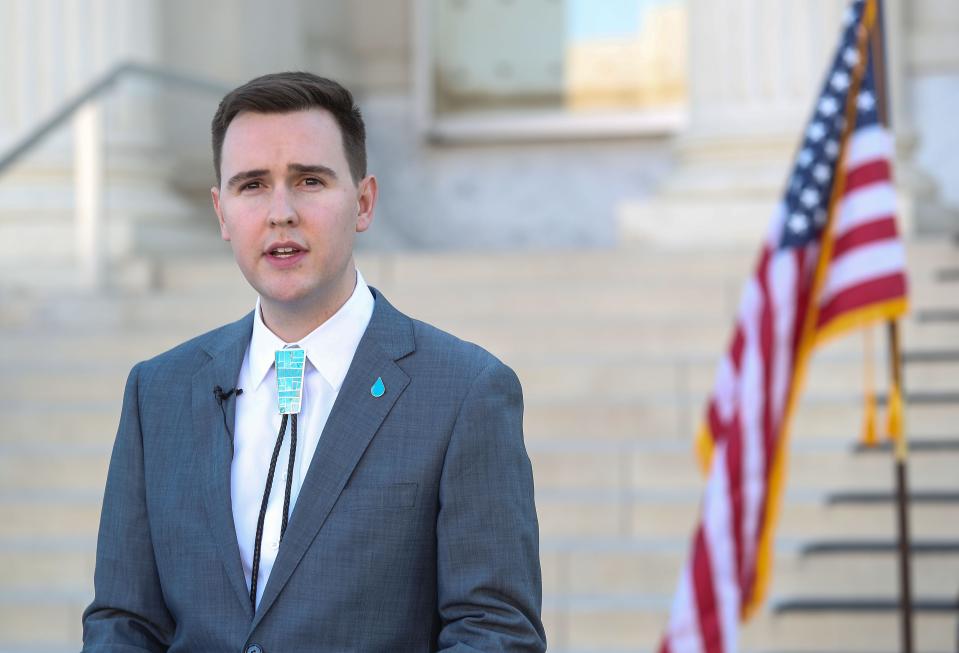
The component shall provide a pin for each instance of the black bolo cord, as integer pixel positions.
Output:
(266, 498)
(289, 477)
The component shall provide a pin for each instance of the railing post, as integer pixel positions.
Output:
(89, 192)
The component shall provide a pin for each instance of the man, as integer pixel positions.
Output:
(401, 517)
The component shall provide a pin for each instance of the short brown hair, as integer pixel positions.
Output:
(295, 91)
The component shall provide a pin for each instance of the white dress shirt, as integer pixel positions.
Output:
(329, 351)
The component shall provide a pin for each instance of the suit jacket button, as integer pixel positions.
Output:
(254, 648)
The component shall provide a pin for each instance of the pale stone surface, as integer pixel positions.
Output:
(500, 195)
(936, 105)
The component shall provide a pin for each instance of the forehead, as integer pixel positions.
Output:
(258, 140)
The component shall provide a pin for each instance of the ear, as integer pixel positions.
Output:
(366, 202)
(224, 232)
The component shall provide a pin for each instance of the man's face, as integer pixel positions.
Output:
(289, 207)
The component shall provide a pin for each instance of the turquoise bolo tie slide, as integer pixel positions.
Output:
(290, 363)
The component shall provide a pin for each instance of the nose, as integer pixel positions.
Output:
(281, 209)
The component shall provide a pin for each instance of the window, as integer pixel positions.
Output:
(552, 67)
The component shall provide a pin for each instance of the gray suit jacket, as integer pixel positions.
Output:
(414, 530)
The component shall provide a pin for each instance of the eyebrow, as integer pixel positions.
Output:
(314, 169)
(299, 168)
(240, 177)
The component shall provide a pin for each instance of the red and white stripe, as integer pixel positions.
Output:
(868, 260)
(746, 410)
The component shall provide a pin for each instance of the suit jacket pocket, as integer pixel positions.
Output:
(393, 496)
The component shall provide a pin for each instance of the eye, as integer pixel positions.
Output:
(250, 185)
(312, 181)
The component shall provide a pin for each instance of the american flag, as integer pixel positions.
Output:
(831, 261)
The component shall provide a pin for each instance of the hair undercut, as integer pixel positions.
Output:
(295, 91)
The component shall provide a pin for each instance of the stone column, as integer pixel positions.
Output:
(229, 42)
(924, 113)
(51, 50)
(756, 67)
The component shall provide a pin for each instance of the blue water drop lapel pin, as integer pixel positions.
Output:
(378, 388)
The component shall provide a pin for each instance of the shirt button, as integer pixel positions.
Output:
(254, 648)
(275, 545)
(283, 476)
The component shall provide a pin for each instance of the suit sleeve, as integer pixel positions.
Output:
(128, 613)
(488, 570)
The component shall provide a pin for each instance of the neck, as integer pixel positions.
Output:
(292, 323)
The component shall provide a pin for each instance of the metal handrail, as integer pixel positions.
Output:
(83, 109)
(97, 88)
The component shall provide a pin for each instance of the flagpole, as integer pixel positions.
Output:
(901, 448)
(895, 404)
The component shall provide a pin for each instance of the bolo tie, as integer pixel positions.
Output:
(290, 364)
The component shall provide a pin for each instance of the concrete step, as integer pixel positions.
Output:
(53, 468)
(575, 300)
(574, 304)
(615, 295)
(635, 469)
(580, 623)
(51, 514)
(539, 337)
(396, 271)
(835, 371)
(924, 258)
(188, 313)
(53, 565)
(95, 422)
(42, 621)
(624, 567)
(636, 624)
(656, 515)
(508, 272)
(877, 546)
(575, 465)
(561, 514)
(845, 418)
(83, 423)
(599, 377)
(930, 295)
(49, 351)
(864, 576)
(624, 468)
(97, 384)
(634, 588)
(941, 377)
(821, 416)
(947, 275)
(488, 269)
(854, 633)
(917, 446)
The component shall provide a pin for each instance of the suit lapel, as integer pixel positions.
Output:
(216, 444)
(354, 420)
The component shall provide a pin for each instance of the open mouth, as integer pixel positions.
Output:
(285, 252)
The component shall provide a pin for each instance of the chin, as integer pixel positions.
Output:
(286, 298)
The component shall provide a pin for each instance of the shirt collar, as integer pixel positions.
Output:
(329, 347)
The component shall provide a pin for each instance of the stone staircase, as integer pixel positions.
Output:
(616, 351)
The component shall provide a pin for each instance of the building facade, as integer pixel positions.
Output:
(492, 123)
